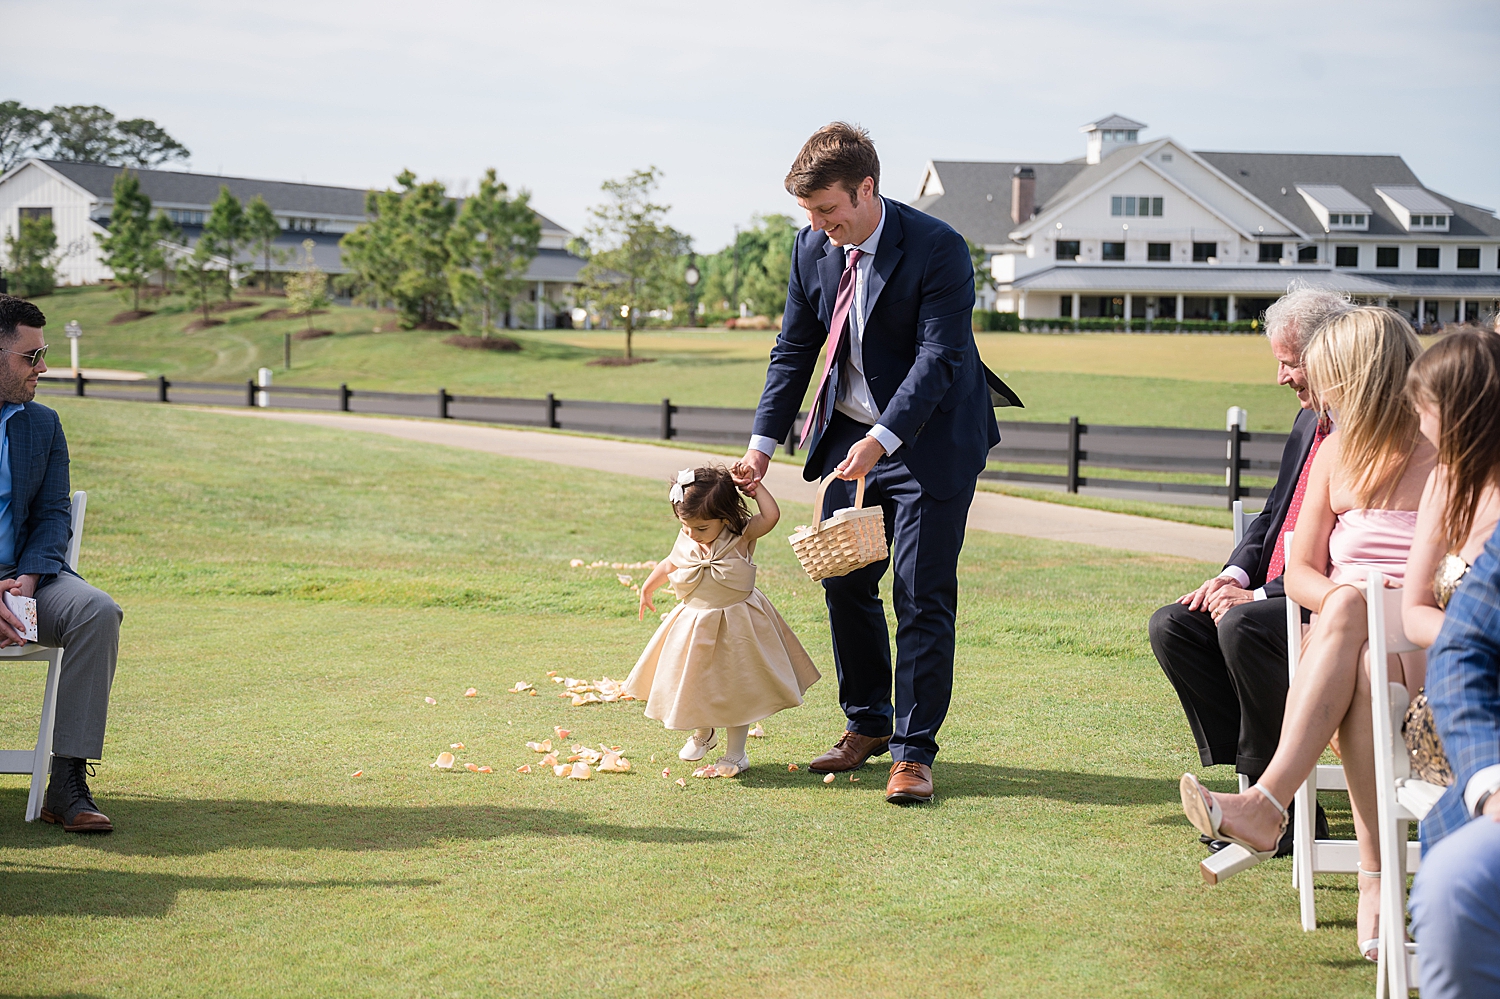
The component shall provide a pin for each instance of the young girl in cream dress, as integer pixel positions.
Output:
(723, 658)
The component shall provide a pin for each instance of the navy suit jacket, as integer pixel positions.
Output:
(1253, 555)
(40, 504)
(1463, 687)
(920, 359)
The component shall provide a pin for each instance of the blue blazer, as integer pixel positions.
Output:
(1463, 687)
(919, 354)
(40, 504)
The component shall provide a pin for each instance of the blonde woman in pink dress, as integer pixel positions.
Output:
(1359, 513)
(723, 658)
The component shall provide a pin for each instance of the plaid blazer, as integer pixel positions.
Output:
(1463, 687)
(40, 502)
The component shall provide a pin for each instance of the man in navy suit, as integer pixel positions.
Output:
(886, 293)
(1455, 900)
(35, 527)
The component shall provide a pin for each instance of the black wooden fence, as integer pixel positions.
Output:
(1073, 447)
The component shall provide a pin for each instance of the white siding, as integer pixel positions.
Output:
(35, 186)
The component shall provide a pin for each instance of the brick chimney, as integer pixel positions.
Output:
(1022, 194)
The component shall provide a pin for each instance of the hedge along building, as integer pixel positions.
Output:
(1154, 230)
(78, 198)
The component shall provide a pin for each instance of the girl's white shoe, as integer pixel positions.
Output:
(731, 766)
(1206, 816)
(694, 750)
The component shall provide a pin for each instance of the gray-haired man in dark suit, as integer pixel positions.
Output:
(35, 526)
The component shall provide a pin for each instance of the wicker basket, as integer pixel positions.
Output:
(852, 538)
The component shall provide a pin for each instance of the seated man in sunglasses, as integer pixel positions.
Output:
(34, 531)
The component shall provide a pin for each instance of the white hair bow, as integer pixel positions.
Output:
(684, 478)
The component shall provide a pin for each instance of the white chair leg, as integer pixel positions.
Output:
(42, 764)
(1393, 904)
(1303, 852)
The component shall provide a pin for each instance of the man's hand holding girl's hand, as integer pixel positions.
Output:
(750, 469)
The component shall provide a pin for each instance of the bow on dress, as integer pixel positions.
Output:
(718, 565)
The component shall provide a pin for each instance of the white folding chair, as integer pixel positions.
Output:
(38, 761)
(1401, 798)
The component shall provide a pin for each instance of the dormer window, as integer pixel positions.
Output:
(1134, 205)
(1415, 208)
(1429, 222)
(1345, 220)
(182, 217)
(1335, 207)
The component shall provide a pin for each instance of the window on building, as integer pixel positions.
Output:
(1428, 256)
(303, 225)
(35, 213)
(1067, 249)
(1429, 222)
(1387, 256)
(1307, 254)
(1202, 251)
(1113, 251)
(184, 217)
(1161, 252)
(1270, 253)
(1468, 257)
(1134, 205)
(1065, 306)
(1346, 256)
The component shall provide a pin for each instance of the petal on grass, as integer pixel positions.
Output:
(432, 700)
(680, 782)
(792, 767)
(490, 770)
(581, 771)
(443, 762)
(521, 687)
(456, 745)
(562, 769)
(829, 779)
(560, 732)
(524, 768)
(473, 768)
(550, 760)
(471, 692)
(357, 773)
(576, 563)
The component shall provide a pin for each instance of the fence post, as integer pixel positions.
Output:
(1074, 454)
(250, 391)
(552, 423)
(286, 352)
(344, 394)
(161, 388)
(443, 398)
(78, 381)
(666, 419)
(263, 378)
(1235, 420)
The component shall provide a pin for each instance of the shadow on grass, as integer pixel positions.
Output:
(985, 780)
(168, 828)
(54, 891)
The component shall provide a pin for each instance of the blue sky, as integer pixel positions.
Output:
(559, 97)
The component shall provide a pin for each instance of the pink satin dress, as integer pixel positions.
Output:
(1371, 539)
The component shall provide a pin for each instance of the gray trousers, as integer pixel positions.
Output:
(85, 622)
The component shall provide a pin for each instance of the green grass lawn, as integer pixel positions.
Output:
(293, 595)
(1140, 379)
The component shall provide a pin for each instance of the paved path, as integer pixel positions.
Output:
(990, 511)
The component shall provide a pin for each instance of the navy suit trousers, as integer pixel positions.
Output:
(925, 537)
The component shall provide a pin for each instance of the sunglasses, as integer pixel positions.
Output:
(34, 358)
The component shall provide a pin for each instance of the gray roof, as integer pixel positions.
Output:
(1114, 121)
(963, 203)
(1091, 173)
(1265, 174)
(1269, 280)
(554, 265)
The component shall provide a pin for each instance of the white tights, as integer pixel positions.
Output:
(736, 736)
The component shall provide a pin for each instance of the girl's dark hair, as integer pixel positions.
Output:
(713, 496)
(1460, 375)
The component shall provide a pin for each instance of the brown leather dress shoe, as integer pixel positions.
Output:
(69, 802)
(910, 783)
(849, 753)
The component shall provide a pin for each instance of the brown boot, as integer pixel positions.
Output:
(849, 753)
(909, 783)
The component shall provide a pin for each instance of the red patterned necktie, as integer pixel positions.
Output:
(1278, 555)
(841, 305)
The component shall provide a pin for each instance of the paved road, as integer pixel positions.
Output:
(990, 511)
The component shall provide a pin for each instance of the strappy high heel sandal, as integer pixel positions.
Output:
(1370, 949)
(1207, 817)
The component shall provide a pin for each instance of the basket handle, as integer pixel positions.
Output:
(859, 498)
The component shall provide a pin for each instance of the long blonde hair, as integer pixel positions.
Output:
(1356, 365)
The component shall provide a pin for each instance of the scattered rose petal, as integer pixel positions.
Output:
(708, 771)
(576, 563)
(560, 732)
(357, 773)
(432, 700)
(653, 757)
(521, 687)
(556, 678)
(552, 672)
(624, 580)
(550, 760)
(524, 768)
(456, 745)
(443, 762)
(490, 770)
(530, 693)
(563, 769)
(574, 758)
(666, 771)
(614, 763)
(545, 746)
(680, 782)
(471, 692)
(829, 779)
(853, 779)
(580, 772)
(473, 768)
(792, 766)
(758, 732)
(617, 565)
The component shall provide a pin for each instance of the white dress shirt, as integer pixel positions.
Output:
(855, 399)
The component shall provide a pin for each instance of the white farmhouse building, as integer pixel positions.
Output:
(78, 198)
(1152, 229)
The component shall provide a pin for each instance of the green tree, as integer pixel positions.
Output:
(88, 133)
(261, 232)
(32, 254)
(632, 253)
(227, 230)
(307, 289)
(754, 268)
(132, 249)
(492, 242)
(200, 275)
(401, 254)
(23, 132)
(145, 144)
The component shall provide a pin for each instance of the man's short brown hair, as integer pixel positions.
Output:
(839, 153)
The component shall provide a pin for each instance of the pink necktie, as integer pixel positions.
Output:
(841, 305)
